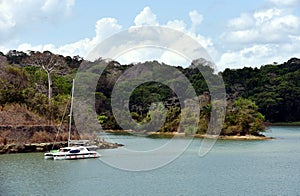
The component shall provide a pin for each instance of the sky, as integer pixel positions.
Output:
(234, 33)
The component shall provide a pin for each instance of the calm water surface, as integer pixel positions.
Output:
(231, 168)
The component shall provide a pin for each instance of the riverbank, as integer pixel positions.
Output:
(284, 124)
(40, 138)
(183, 135)
(44, 147)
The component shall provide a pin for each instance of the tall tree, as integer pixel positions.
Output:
(50, 63)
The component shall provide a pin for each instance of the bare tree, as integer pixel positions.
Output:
(50, 63)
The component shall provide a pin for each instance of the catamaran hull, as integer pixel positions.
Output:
(48, 156)
(67, 153)
(75, 156)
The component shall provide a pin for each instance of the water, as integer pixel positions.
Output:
(231, 168)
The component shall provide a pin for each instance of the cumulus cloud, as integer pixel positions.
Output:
(265, 26)
(54, 7)
(261, 37)
(104, 28)
(145, 17)
(288, 3)
(107, 27)
(252, 39)
(245, 21)
(139, 55)
(16, 15)
(250, 56)
(266, 15)
(196, 18)
(175, 59)
(260, 54)
(177, 25)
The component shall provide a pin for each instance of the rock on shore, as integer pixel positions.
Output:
(44, 147)
(39, 138)
(33, 147)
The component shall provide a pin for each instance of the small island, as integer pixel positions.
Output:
(35, 95)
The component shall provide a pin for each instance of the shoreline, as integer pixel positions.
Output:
(183, 135)
(17, 147)
(13, 148)
(283, 124)
(40, 138)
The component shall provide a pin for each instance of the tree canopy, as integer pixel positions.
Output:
(254, 95)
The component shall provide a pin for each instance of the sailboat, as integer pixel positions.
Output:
(72, 152)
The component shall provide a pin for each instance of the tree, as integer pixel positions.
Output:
(243, 118)
(13, 81)
(15, 57)
(50, 63)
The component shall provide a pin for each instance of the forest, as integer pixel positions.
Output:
(40, 84)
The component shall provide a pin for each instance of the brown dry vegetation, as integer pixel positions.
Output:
(31, 136)
(18, 115)
(19, 125)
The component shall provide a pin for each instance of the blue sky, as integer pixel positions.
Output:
(235, 33)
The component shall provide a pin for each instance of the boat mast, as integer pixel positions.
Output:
(71, 110)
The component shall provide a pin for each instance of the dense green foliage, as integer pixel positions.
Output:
(243, 118)
(274, 88)
(27, 85)
(147, 101)
(270, 93)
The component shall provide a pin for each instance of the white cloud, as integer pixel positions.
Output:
(260, 54)
(106, 27)
(146, 17)
(56, 6)
(177, 25)
(16, 15)
(139, 55)
(245, 21)
(265, 15)
(264, 26)
(196, 18)
(172, 58)
(262, 37)
(288, 24)
(288, 3)
(149, 54)
(161, 44)
(251, 56)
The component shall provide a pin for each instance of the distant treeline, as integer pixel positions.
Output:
(41, 81)
(274, 88)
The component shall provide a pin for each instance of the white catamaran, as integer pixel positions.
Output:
(80, 151)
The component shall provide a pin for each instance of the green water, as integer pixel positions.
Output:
(232, 168)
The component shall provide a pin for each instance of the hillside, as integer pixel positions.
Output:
(17, 115)
(36, 90)
(274, 88)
